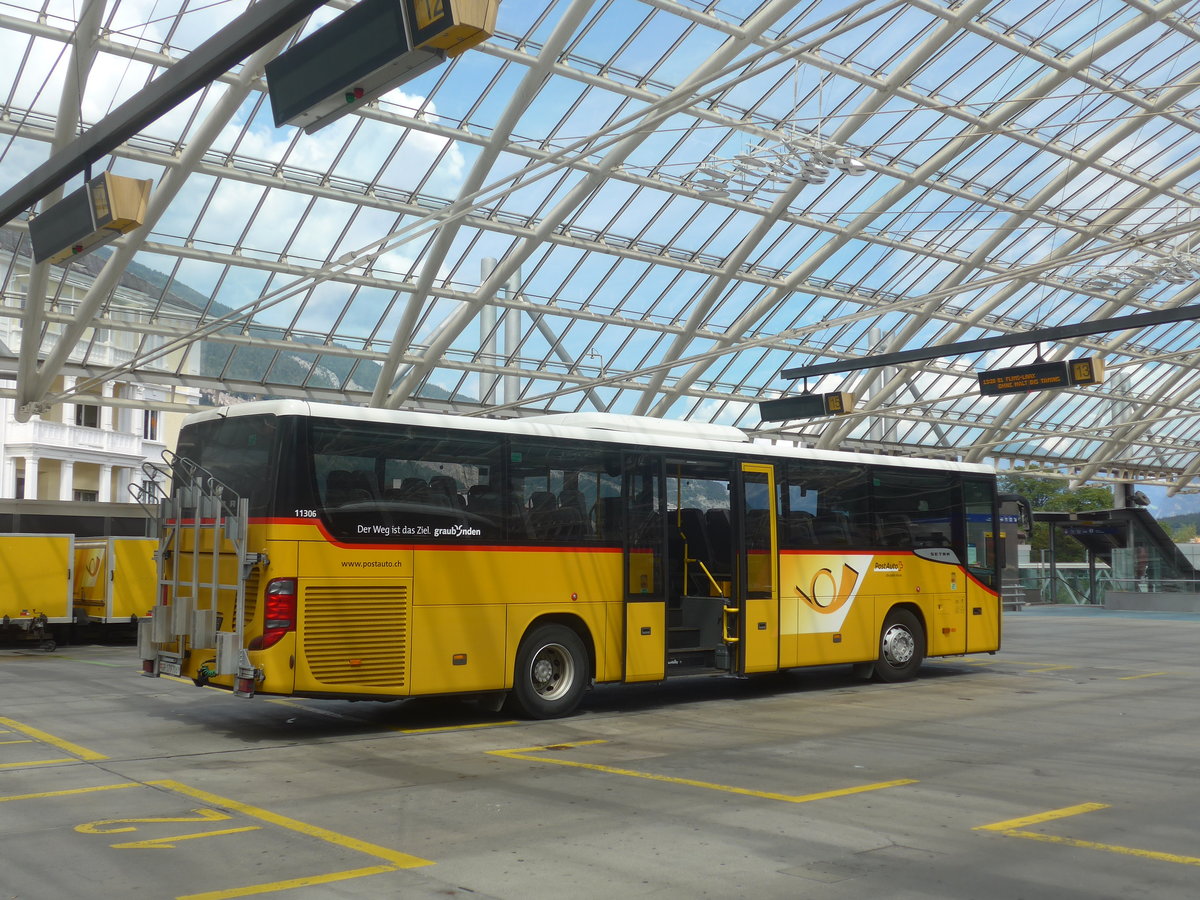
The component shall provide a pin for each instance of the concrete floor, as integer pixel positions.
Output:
(1064, 767)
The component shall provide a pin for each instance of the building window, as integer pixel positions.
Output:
(19, 494)
(86, 496)
(150, 424)
(87, 416)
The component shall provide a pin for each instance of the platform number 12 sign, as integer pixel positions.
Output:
(428, 11)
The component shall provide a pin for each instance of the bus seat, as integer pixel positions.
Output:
(565, 522)
(720, 538)
(570, 498)
(695, 535)
(414, 490)
(798, 529)
(483, 501)
(542, 507)
(343, 486)
(895, 530)
(445, 484)
(608, 518)
(831, 529)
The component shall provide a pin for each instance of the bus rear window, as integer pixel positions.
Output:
(239, 451)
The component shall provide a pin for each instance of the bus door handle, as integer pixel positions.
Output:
(728, 611)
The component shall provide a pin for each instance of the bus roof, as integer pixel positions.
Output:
(621, 430)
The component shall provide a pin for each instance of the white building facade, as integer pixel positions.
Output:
(87, 450)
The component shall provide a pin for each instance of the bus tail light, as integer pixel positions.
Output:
(279, 612)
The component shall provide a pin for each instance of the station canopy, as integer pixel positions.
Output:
(650, 207)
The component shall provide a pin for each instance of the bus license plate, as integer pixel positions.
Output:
(169, 665)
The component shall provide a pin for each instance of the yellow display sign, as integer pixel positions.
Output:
(453, 26)
(427, 12)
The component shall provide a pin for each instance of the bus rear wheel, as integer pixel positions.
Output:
(901, 647)
(551, 673)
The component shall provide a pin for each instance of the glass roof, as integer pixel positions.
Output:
(650, 207)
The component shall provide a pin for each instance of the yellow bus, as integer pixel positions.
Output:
(324, 551)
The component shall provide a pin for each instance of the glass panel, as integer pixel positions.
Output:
(914, 509)
(644, 513)
(760, 555)
(825, 505)
(978, 497)
(239, 451)
(386, 484)
(564, 490)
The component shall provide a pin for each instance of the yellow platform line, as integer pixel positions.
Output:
(525, 754)
(1015, 828)
(1147, 675)
(466, 727)
(80, 752)
(396, 858)
(72, 791)
(38, 762)
(1064, 813)
(291, 883)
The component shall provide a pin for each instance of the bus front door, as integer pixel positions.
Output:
(754, 612)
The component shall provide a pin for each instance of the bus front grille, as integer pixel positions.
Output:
(356, 634)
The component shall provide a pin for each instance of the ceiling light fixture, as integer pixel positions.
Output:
(1179, 266)
(770, 169)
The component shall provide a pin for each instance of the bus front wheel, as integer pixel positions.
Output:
(901, 647)
(551, 673)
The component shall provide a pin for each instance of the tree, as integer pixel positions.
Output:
(1180, 533)
(1055, 495)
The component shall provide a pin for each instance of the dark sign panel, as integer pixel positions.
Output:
(64, 224)
(348, 62)
(1041, 376)
(1020, 379)
(806, 406)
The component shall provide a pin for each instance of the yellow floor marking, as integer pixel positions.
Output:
(455, 727)
(293, 883)
(38, 762)
(22, 741)
(1048, 669)
(396, 858)
(1013, 828)
(168, 843)
(1066, 812)
(72, 791)
(123, 826)
(524, 753)
(80, 752)
(1147, 675)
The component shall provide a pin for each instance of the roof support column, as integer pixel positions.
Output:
(83, 53)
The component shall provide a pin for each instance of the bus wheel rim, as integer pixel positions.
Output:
(899, 645)
(552, 671)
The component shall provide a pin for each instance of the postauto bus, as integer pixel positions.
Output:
(325, 551)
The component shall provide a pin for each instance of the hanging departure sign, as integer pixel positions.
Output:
(453, 26)
(373, 47)
(1041, 376)
(101, 211)
(806, 406)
